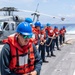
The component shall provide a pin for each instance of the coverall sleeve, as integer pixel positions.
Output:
(5, 60)
(38, 60)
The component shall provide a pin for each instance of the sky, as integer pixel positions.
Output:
(47, 8)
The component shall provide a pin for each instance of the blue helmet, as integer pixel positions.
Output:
(42, 27)
(63, 26)
(29, 20)
(37, 24)
(24, 28)
(48, 24)
(55, 27)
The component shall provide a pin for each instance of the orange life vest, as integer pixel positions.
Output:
(42, 35)
(50, 31)
(61, 31)
(36, 34)
(18, 55)
(64, 31)
(56, 31)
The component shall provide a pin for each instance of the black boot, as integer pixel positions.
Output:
(58, 49)
(48, 55)
(52, 54)
(44, 61)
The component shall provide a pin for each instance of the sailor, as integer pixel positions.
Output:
(61, 36)
(64, 31)
(49, 41)
(42, 43)
(56, 31)
(36, 33)
(19, 56)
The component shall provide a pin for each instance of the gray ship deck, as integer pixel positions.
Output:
(63, 63)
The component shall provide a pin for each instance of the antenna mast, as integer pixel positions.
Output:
(35, 14)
